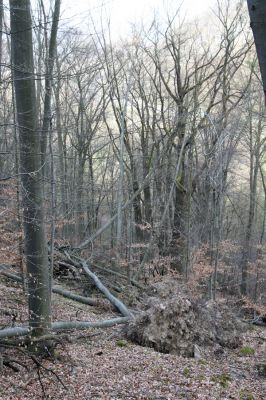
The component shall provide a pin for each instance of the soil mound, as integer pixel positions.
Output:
(172, 322)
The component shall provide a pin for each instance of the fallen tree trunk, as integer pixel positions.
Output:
(57, 290)
(17, 331)
(14, 277)
(6, 266)
(76, 297)
(111, 271)
(64, 325)
(112, 219)
(121, 307)
(131, 200)
(118, 304)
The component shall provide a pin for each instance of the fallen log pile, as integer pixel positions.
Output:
(168, 319)
(76, 266)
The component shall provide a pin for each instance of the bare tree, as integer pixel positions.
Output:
(255, 144)
(51, 52)
(36, 253)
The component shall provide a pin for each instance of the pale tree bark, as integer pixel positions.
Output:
(264, 207)
(36, 253)
(64, 325)
(116, 70)
(121, 172)
(256, 143)
(61, 151)
(48, 79)
(116, 302)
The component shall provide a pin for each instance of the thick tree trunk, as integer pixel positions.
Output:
(35, 240)
(257, 13)
(178, 242)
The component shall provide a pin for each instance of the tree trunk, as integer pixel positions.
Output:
(1, 29)
(178, 244)
(113, 300)
(56, 289)
(61, 161)
(257, 13)
(64, 325)
(47, 117)
(79, 197)
(36, 253)
(249, 230)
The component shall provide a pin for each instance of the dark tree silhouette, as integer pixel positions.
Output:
(257, 13)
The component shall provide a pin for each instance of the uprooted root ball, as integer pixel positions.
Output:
(175, 324)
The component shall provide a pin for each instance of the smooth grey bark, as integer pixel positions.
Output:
(94, 205)
(53, 208)
(64, 325)
(257, 13)
(146, 107)
(55, 289)
(80, 195)
(14, 277)
(113, 300)
(76, 297)
(264, 207)
(61, 152)
(48, 79)
(121, 172)
(255, 144)
(36, 253)
(17, 331)
(60, 325)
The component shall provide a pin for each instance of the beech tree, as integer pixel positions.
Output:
(51, 50)
(36, 253)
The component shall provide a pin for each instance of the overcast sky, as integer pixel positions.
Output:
(122, 13)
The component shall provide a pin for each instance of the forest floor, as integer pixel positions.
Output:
(101, 364)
